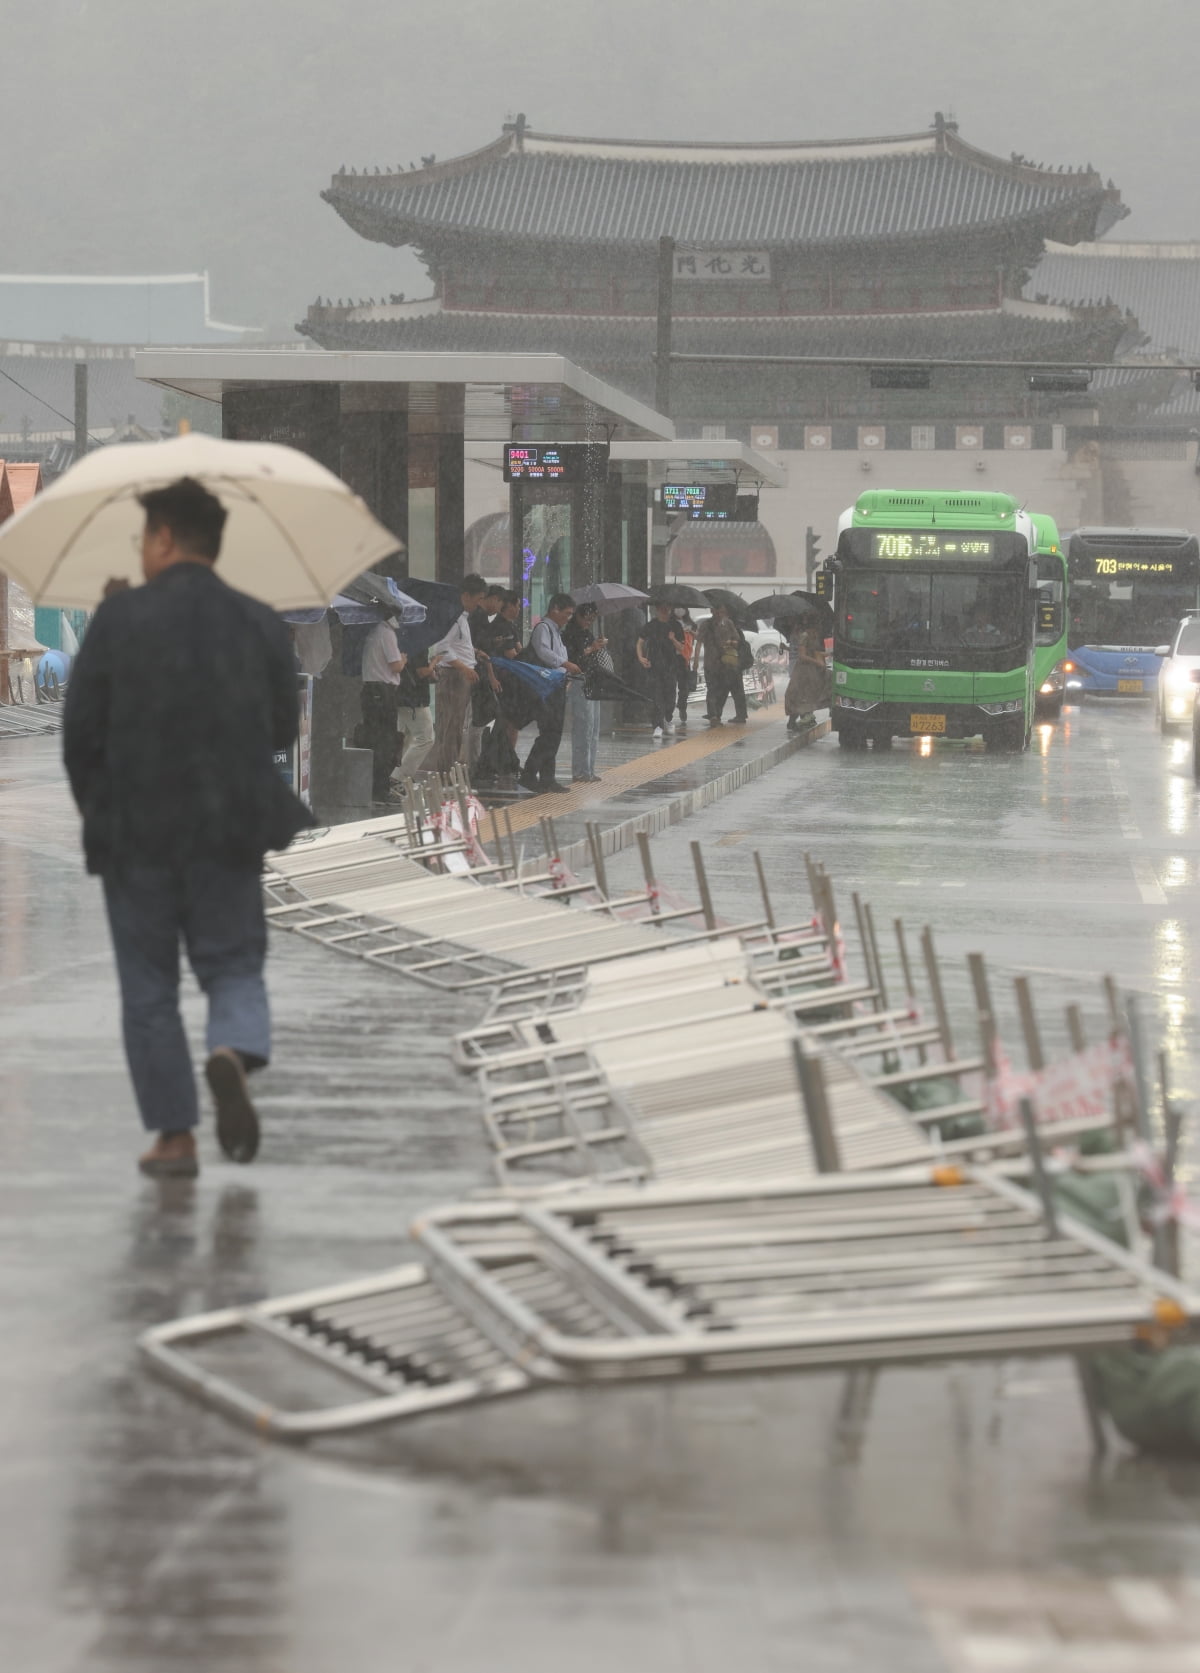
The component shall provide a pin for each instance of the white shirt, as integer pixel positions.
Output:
(547, 643)
(380, 650)
(456, 646)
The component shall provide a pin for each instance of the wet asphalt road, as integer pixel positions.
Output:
(688, 1529)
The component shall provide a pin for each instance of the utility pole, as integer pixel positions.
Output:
(662, 351)
(81, 408)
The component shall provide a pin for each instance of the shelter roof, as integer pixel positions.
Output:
(490, 392)
(533, 186)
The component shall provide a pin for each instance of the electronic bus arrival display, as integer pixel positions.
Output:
(703, 502)
(926, 543)
(552, 461)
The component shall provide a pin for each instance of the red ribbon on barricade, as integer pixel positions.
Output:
(1075, 1088)
(1171, 1202)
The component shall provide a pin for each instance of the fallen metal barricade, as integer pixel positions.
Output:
(659, 1282)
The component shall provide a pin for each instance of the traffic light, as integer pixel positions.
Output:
(812, 551)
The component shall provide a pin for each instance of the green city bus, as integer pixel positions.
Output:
(1050, 637)
(935, 615)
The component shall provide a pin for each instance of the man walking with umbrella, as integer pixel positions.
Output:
(181, 692)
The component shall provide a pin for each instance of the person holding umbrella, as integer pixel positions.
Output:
(182, 691)
(727, 655)
(808, 687)
(659, 650)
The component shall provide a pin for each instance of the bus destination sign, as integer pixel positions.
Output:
(932, 543)
(1134, 566)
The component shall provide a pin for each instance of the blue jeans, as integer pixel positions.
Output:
(218, 914)
(585, 731)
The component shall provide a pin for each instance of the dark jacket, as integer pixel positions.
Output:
(181, 692)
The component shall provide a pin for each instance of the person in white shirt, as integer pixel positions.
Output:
(382, 665)
(453, 661)
(546, 646)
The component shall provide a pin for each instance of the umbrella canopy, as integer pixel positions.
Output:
(443, 606)
(779, 606)
(734, 603)
(295, 536)
(543, 682)
(676, 592)
(609, 596)
(381, 590)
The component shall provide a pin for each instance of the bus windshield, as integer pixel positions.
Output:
(1127, 612)
(899, 610)
(1129, 587)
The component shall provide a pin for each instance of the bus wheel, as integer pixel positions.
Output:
(1008, 737)
(852, 737)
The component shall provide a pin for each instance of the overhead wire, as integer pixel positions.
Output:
(42, 402)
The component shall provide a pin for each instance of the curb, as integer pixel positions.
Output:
(615, 838)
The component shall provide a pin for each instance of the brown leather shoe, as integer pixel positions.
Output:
(171, 1156)
(237, 1119)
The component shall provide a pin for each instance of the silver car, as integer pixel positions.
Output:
(1176, 694)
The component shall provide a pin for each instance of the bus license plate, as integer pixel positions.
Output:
(1131, 685)
(925, 724)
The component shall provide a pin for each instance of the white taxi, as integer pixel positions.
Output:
(1176, 695)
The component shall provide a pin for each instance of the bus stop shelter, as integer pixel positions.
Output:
(395, 426)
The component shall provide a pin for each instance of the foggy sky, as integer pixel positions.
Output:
(164, 135)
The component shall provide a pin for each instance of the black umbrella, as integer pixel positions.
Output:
(778, 605)
(738, 609)
(675, 592)
(789, 606)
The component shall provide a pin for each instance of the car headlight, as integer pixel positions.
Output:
(1180, 680)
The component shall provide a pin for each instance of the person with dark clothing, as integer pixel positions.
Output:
(483, 695)
(182, 692)
(727, 655)
(659, 651)
(414, 717)
(583, 646)
(547, 648)
(382, 668)
(516, 707)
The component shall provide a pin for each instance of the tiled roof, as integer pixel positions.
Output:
(24, 480)
(1160, 283)
(1023, 333)
(542, 187)
(169, 308)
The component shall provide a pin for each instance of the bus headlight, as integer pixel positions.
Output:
(855, 703)
(1002, 708)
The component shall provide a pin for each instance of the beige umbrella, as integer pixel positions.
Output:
(295, 533)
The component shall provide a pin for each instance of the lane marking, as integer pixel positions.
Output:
(1148, 886)
(1144, 1602)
